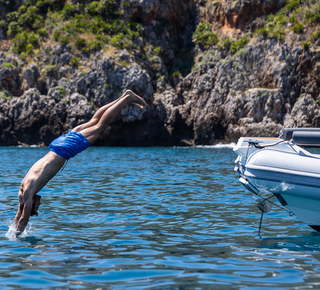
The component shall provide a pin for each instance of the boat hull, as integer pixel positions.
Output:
(293, 175)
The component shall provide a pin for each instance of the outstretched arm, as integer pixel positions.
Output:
(19, 213)
(23, 215)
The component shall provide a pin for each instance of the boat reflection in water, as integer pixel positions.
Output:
(281, 167)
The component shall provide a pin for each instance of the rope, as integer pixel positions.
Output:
(260, 224)
(265, 146)
(262, 212)
(264, 199)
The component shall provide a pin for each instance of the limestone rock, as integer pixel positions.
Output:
(256, 91)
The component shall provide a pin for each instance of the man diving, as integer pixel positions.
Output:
(62, 149)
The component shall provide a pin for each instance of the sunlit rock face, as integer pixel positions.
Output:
(220, 96)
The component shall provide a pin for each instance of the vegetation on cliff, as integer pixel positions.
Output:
(297, 16)
(90, 26)
(210, 70)
(87, 27)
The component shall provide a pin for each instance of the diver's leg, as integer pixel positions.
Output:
(93, 133)
(137, 101)
(95, 118)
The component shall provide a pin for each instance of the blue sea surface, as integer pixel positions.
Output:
(149, 218)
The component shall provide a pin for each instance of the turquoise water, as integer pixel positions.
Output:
(149, 218)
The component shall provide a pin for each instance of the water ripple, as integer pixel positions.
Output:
(160, 218)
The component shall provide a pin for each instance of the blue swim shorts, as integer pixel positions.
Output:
(69, 145)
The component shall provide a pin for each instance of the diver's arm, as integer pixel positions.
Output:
(24, 219)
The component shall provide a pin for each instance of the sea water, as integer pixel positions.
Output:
(149, 218)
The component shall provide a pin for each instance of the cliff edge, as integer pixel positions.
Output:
(210, 71)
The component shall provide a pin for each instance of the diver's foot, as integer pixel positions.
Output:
(135, 99)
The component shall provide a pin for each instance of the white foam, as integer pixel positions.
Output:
(219, 145)
(11, 234)
(28, 146)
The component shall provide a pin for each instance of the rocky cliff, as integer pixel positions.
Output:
(195, 95)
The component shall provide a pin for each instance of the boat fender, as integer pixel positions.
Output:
(286, 133)
(306, 138)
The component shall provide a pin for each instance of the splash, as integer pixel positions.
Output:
(12, 233)
(283, 186)
(219, 145)
(27, 146)
(286, 186)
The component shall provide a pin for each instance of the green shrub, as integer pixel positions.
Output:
(3, 24)
(241, 51)
(94, 45)
(56, 35)
(13, 29)
(315, 36)
(51, 70)
(237, 45)
(121, 41)
(313, 16)
(42, 32)
(20, 42)
(94, 8)
(65, 39)
(80, 43)
(275, 23)
(85, 50)
(298, 28)
(203, 36)
(235, 65)
(25, 42)
(292, 5)
(33, 39)
(4, 96)
(62, 92)
(134, 26)
(70, 10)
(227, 43)
(74, 61)
(30, 19)
(105, 8)
(65, 21)
(95, 28)
(29, 49)
(278, 34)
(53, 5)
(7, 65)
(157, 50)
(263, 31)
(292, 19)
(176, 74)
(305, 45)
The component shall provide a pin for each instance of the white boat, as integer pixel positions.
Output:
(281, 167)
